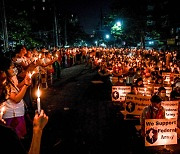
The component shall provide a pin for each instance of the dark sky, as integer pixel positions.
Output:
(88, 11)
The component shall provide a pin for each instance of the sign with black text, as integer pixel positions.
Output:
(171, 109)
(136, 103)
(119, 92)
(160, 132)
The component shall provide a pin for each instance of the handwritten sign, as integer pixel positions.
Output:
(171, 109)
(136, 103)
(160, 132)
(119, 92)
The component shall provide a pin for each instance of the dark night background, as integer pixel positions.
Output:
(80, 23)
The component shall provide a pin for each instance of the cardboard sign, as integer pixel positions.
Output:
(136, 103)
(166, 75)
(168, 90)
(160, 132)
(146, 91)
(171, 109)
(119, 92)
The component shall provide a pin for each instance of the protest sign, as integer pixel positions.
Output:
(119, 92)
(136, 103)
(160, 132)
(171, 109)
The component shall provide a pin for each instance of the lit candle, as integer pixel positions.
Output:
(31, 74)
(38, 100)
(144, 91)
(172, 69)
(39, 55)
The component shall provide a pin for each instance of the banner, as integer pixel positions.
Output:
(171, 109)
(119, 92)
(136, 103)
(160, 132)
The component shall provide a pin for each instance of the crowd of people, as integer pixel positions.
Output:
(23, 70)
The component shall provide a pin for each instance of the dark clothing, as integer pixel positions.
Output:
(9, 141)
(175, 95)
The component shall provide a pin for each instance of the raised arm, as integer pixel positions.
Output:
(39, 123)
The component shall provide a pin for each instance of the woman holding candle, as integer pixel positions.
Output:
(15, 108)
(8, 136)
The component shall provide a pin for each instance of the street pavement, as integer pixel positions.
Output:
(83, 119)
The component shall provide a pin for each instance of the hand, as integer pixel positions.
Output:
(40, 121)
(27, 79)
(38, 62)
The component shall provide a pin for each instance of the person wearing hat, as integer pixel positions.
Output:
(153, 111)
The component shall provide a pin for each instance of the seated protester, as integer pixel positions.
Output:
(176, 79)
(159, 80)
(162, 94)
(120, 81)
(117, 70)
(139, 82)
(175, 93)
(103, 71)
(10, 142)
(134, 90)
(130, 77)
(153, 111)
(137, 73)
(155, 74)
(176, 71)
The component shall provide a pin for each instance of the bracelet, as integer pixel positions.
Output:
(26, 85)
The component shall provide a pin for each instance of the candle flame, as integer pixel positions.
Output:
(31, 74)
(38, 92)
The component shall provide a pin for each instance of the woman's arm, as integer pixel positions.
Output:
(18, 96)
(38, 125)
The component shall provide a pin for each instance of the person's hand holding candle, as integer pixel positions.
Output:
(38, 100)
(27, 79)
